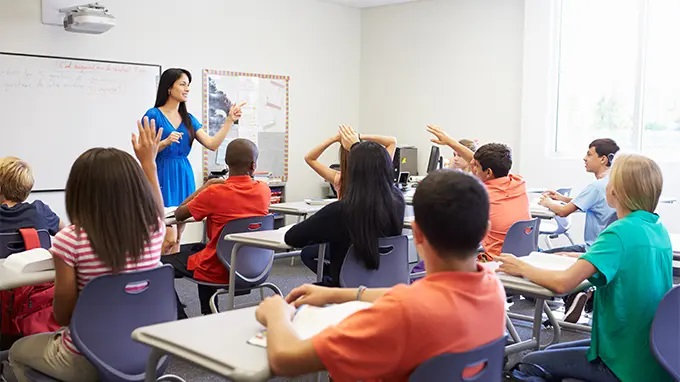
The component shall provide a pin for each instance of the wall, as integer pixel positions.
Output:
(316, 43)
(457, 64)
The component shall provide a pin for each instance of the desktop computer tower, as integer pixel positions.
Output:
(405, 160)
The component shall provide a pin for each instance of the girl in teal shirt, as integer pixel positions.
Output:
(630, 264)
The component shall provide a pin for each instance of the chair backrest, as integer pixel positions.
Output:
(252, 264)
(110, 307)
(450, 366)
(393, 267)
(522, 238)
(13, 242)
(563, 224)
(665, 333)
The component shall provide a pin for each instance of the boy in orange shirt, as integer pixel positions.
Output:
(508, 198)
(220, 201)
(458, 306)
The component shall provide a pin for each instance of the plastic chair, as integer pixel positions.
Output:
(522, 238)
(253, 264)
(450, 366)
(13, 242)
(665, 333)
(393, 268)
(560, 226)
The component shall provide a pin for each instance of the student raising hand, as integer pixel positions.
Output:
(146, 146)
(348, 137)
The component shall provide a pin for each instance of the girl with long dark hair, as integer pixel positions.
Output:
(371, 207)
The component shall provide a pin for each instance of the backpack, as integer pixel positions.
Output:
(27, 310)
(528, 372)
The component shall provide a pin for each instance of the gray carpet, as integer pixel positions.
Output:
(288, 277)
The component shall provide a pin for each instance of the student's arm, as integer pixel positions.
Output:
(558, 281)
(288, 355)
(557, 196)
(390, 143)
(65, 291)
(442, 138)
(214, 142)
(312, 159)
(146, 148)
(182, 212)
(561, 210)
(309, 294)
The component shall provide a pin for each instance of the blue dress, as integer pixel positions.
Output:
(174, 171)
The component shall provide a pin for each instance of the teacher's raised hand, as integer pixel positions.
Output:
(235, 111)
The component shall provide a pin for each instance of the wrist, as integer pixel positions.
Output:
(148, 165)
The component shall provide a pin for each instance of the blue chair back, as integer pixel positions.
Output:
(393, 267)
(252, 264)
(522, 238)
(450, 366)
(13, 242)
(110, 307)
(665, 333)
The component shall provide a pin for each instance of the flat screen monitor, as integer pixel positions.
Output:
(433, 162)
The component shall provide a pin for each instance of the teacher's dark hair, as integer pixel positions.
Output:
(370, 199)
(168, 78)
(108, 197)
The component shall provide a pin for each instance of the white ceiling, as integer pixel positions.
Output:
(367, 3)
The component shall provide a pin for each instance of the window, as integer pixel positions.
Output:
(619, 75)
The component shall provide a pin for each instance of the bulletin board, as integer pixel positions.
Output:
(264, 118)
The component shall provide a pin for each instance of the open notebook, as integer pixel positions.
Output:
(33, 260)
(310, 320)
(548, 261)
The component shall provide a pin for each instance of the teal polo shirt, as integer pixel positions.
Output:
(633, 258)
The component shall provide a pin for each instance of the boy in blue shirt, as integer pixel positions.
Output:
(16, 182)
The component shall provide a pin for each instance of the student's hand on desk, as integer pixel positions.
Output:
(146, 144)
(309, 294)
(235, 111)
(273, 308)
(441, 137)
(348, 136)
(510, 264)
(544, 201)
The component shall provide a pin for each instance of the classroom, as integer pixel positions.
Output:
(345, 190)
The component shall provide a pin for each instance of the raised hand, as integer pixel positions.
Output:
(440, 136)
(147, 142)
(235, 111)
(348, 136)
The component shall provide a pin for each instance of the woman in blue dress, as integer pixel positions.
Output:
(180, 128)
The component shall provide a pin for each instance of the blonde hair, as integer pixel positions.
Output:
(637, 182)
(470, 144)
(16, 179)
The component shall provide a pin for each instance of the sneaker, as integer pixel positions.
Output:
(576, 308)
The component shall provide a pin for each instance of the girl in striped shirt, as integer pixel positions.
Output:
(116, 208)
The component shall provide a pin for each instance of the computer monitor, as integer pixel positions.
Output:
(433, 162)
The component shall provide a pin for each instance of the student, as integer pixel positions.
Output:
(630, 264)
(333, 176)
(220, 201)
(507, 192)
(371, 207)
(458, 306)
(457, 162)
(16, 182)
(591, 200)
(116, 208)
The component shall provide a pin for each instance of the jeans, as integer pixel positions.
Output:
(569, 360)
(572, 248)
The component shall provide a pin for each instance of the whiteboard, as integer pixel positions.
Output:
(264, 120)
(55, 108)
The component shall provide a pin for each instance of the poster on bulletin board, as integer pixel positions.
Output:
(264, 118)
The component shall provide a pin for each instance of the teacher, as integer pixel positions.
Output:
(180, 128)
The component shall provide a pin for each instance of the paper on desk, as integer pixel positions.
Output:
(549, 261)
(33, 260)
(311, 320)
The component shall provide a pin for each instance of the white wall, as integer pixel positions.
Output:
(453, 63)
(317, 44)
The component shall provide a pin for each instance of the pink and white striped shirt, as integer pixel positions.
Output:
(75, 250)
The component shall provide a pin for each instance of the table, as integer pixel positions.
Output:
(216, 342)
(538, 211)
(10, 279)
(299, 209)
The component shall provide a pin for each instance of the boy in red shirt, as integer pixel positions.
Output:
(219, 201)
(458, 306)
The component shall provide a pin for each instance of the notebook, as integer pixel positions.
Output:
(311, 320)
(33, 260)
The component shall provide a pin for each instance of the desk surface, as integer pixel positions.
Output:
(296, 208)
(10, 279)
(216, 342)
(273, 239)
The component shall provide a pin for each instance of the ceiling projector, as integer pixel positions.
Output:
(89, 18)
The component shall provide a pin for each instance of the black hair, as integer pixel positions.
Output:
(370, 200)
(168, 79)
(241, 153)
(605, 147)
(452, 210)
(496, 156)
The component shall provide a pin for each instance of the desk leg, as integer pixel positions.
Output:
(557, 330)
(511, 330)
(538, 321)
(152, 364)
(232, 277)
(319, 264)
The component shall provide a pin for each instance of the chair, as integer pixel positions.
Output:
(109, 308)
(450, 366)
(665, 333)
(393, 267)
(560, 226)
(253, 265)
(13, 242)
(522, 238)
